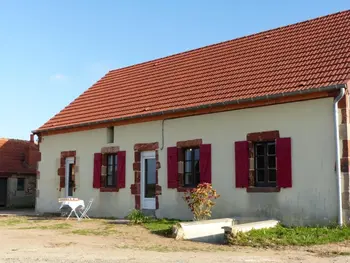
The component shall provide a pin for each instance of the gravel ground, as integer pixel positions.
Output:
(35, 241)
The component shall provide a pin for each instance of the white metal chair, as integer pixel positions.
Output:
(83, 212)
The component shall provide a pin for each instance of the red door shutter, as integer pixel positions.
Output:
(121, 169)
(172, 167)
(284, 162)
(205, 163)
(97, 170)
(242, 164)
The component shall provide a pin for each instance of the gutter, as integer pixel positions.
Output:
(205, 106)
(337, 155)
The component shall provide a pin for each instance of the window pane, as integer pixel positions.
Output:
(260, 175)
(109, 180)
(196, 166)
(20, 184)
(272, 162)
(188, 179)
(260, 162)
(188, 154)
(110, 159)
(197, 179)
(260, 149)
(272, 175)
(188, 166)
(271, 148)
(110, 170)
(115, 161)
(196, 154)
(150, 176)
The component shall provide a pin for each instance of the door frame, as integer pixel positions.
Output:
(68, 161)
(146, 203)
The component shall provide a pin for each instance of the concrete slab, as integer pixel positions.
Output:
(209, 231)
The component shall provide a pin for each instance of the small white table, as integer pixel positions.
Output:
(73, 203)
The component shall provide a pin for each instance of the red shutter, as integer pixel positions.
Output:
(97, 170)
(205, 163)
(121, 169)
(172, 167)
(242, 164)
(284, 162)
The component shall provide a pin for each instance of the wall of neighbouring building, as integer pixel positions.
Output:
(18, 198)
(312, 199)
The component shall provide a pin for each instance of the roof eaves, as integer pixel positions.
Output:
(203, 106)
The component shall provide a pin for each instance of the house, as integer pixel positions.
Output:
(18, 168)
(264, 118)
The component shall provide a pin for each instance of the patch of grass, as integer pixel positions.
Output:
(161, 227)
(290, 236)
(106, 231)
(12, 221)
(51, 227)
(137, 217)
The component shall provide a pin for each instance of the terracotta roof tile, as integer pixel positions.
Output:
(16, 156)
(306, 55)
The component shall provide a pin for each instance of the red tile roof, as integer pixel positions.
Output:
(18, 156)
(303, 56)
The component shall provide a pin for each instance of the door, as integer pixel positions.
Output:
(69, 176)
(148, 180)
(3, 191)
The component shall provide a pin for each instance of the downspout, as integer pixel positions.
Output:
(337, 155)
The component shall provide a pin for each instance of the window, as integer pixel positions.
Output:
(265, 164)
(191, 167)
(111, 170)
(20, 184)
(110, 135)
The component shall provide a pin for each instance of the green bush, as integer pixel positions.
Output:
(137, 217)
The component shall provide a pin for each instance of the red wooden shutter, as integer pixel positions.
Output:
(121, 169)
(284, 162)
(97, 170)
(172, 167)
(205, 163)
(242, 164)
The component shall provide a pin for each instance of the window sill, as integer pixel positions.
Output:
(109, 189)
(263, 189)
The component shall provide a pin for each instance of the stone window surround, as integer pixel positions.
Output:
(105, 151)
(136, 187)
(252, 138)
(181, 157)
(61, 172)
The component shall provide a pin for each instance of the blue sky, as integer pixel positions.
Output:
(52, 51)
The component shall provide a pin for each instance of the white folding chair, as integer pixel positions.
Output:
(83, 212)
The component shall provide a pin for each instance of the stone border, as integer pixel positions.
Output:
(61, 172)
(253, 138)
(136, 187)
(181, 159)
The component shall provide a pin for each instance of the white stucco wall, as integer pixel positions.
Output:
(312, 199)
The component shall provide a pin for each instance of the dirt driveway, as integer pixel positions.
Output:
(36, 240)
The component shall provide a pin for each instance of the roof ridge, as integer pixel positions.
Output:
(228, 41)
(14, 139)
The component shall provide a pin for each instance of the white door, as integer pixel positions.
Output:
(148, 180)
(68, 189)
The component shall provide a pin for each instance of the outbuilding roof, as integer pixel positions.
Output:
(305, 56)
